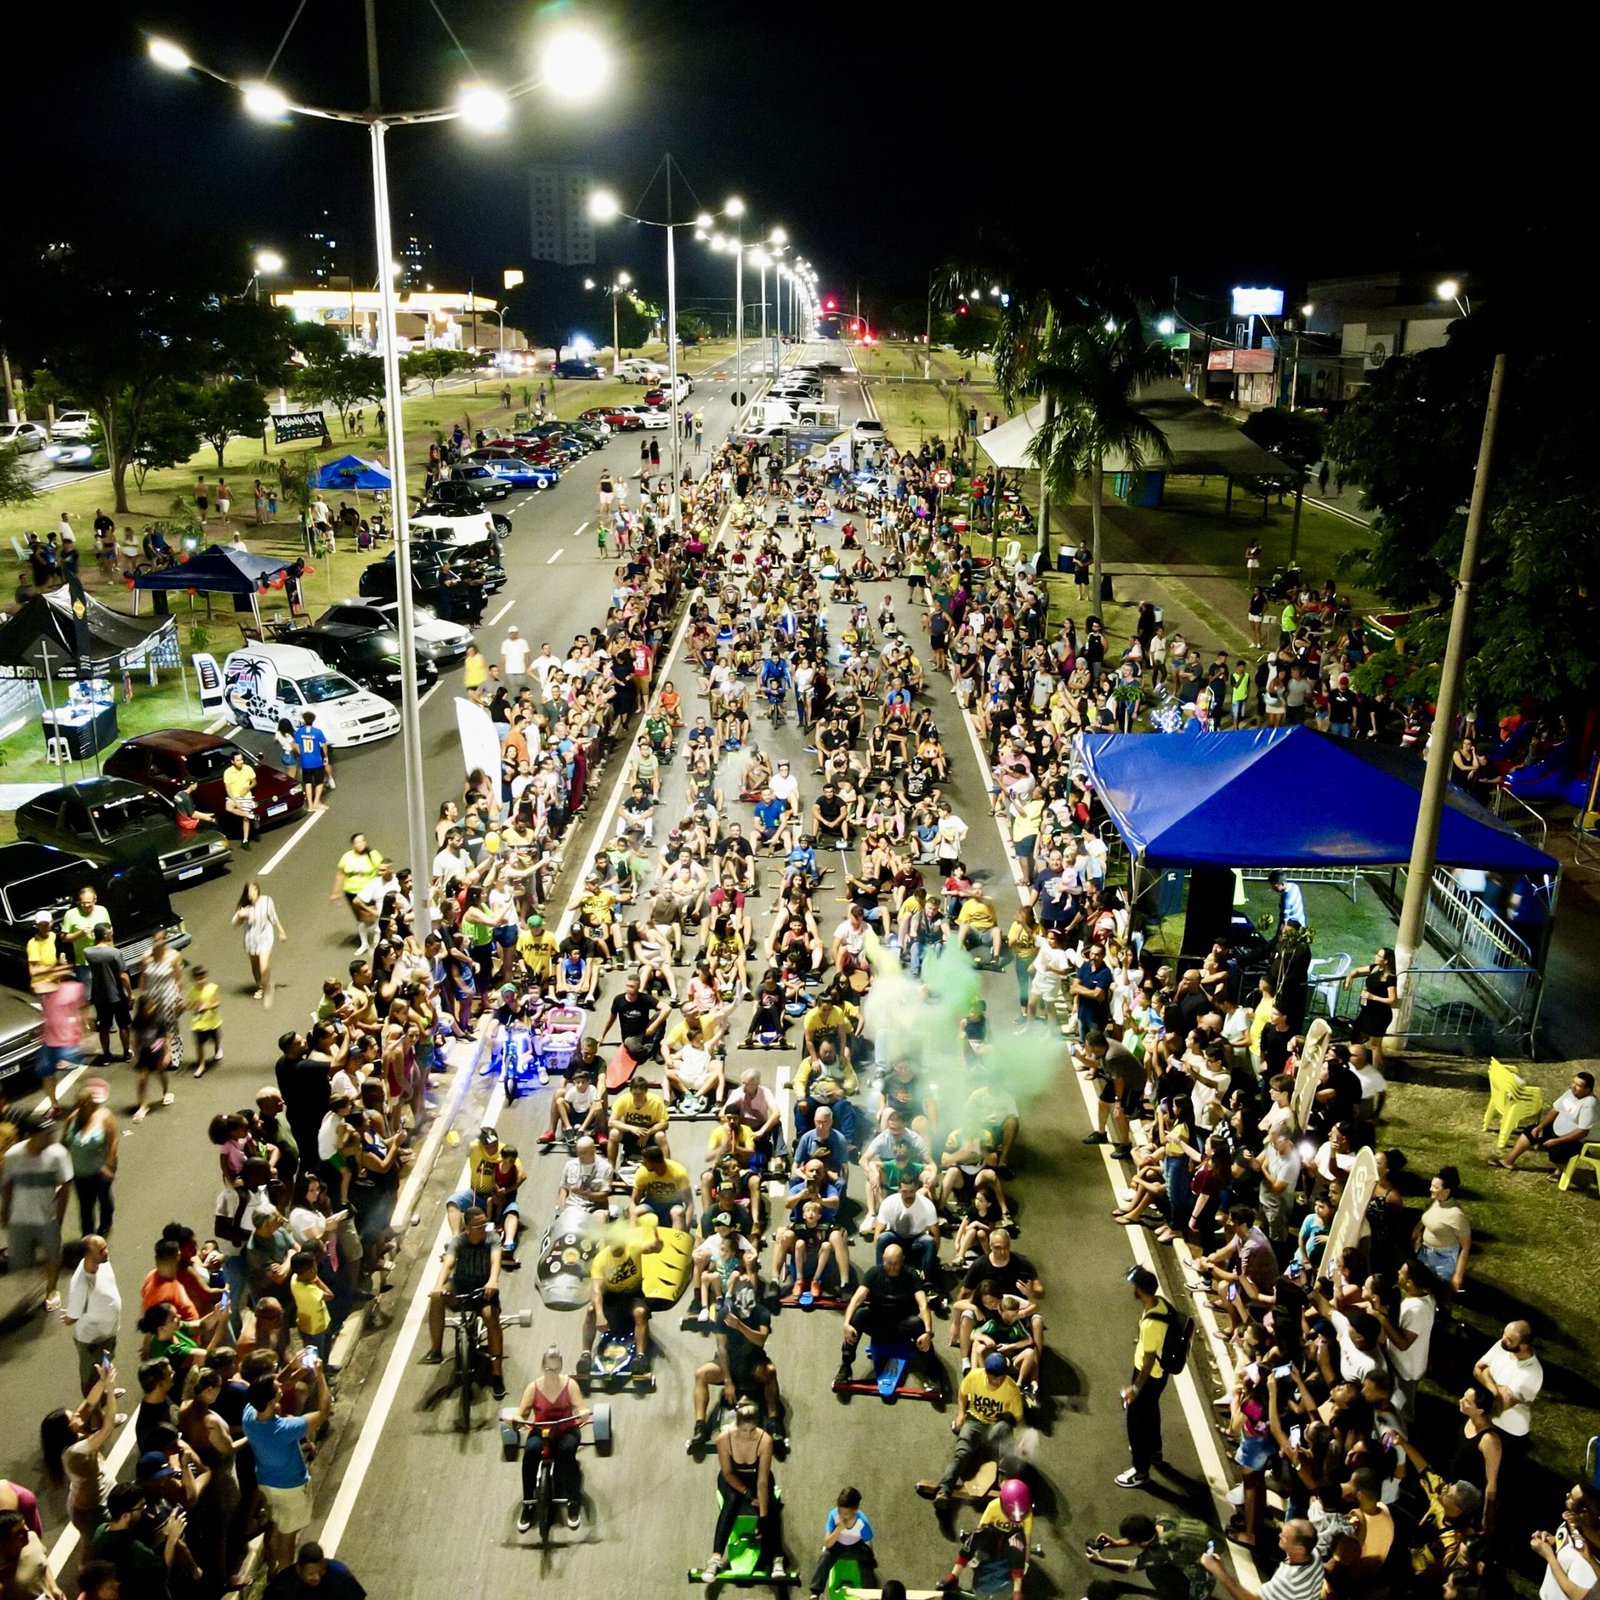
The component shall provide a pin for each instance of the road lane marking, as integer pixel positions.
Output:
(579, 529)
(430, 693)
(555, 555)
(293, 839)
(501, 612)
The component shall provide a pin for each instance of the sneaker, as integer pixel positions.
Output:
(432, 1358)
(525, 1516)
(941, 1499)
(497, 1386)
(779, 1570)
(713, 1567)
(1123, 1152)
(574, 1514)
(585, 1363)
(846, 1372)
(547, 1138)
(1093, 1138)
(702, 1432)
(1133, 1478)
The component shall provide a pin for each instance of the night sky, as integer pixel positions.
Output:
(883, 141)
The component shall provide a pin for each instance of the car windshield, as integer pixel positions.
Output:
(118, 817)
(326, 686)
(207, 764)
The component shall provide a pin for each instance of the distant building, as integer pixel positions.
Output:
(559, 202)
(446, 319)
(413, 248)
(328, 251)
(1357, 324)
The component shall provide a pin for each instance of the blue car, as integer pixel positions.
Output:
(515, 470)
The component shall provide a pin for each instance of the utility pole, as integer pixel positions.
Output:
(1425, 841)
(927, 338)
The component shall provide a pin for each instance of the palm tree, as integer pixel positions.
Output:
(1090, 375)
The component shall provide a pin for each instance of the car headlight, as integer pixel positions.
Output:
(217, 848)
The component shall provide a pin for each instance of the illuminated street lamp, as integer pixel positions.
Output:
(573, 65)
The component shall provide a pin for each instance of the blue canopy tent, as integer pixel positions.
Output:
(1285, 797)
(352, 473)
(1280, 797)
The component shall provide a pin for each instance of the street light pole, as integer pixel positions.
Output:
(1425, 841)
(674, 511)
(927, 338)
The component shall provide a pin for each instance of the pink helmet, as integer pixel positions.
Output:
(1016, 1499)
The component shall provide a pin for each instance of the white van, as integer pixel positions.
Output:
(768, 413)
(637, 370)
(469, 527)
(265, 682)
(817, 414)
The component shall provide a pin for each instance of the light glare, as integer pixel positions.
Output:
(603, 206)
(574, 64)
(174, 58)
(263, 101)
(483, 107)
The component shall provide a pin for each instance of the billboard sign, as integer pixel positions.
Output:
(1257, 302)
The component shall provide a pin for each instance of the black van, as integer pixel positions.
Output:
(35, 877)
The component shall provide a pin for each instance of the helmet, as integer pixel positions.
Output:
(1016, 1499)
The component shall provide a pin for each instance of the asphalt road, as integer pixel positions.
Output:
(422, 1500)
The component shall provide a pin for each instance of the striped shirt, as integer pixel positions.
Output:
(1290, 1582)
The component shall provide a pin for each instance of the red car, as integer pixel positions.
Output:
(656, 399)
(622, 421)
(166, 760)
(541, 452)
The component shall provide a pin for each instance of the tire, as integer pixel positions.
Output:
(466, 1361)
(501, 525)
(546, 1499)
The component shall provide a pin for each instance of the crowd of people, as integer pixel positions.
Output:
(1195, 1074)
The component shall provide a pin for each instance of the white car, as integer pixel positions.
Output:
(73, 425)
(23, 436)
(867, 430)
(638, 370)
(440, 642)
(651, 416)
(471, 527)
(263, 683)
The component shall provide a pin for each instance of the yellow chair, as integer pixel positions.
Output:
(1512, 1101)
(1588, 1156)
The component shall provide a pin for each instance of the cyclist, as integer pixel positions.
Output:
(470, 1266)
(552, 1397)
(616, 1294)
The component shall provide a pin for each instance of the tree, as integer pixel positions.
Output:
(429, 366)
(341, 380)
(236, 408)
(974, 332)
(16, 485)
(636, 320)
(1410, 439)
(169, 434)
(1094, 372)
(692, 327)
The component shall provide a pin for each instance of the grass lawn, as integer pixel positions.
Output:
(1528, 1256)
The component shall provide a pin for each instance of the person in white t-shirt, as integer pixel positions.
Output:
(1406, 1340)
(909, 1218)
(1562, 1131)
(786, 787)
(1516, 1374)
(1569, 1552)
(514, 655)
(543, 665)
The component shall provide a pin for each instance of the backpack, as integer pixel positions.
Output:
(1180, 1335)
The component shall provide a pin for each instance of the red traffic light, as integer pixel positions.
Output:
(961, 311)
(833, 305)
(855, 327)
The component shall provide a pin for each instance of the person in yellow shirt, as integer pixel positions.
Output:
(311, 1297)
(538, 948)
(978, 923)
(1141, 1398)
(638, 1120)
(1261, 1017)
(831, 1018)
(1022, 939)
(44, 956)
(661, 1187)
(205, 1006)
(988, 1407)
(239, 780)
(616, 1296)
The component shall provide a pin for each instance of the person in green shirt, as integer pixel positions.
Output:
(78, 927)
(1287, 621)
(1165, 1549)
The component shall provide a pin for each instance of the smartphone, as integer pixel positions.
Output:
(1233, 1291)
(309, 1358)
(1211, 1547)
(1253, 1372)
(1285, 1371)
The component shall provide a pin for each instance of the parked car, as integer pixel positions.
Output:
(515, 470)
(369, 656)
(868, 431)
(470, 484)
(620, 419)
(476, 565)
(454, 521)
(23, 437)
(21, 1028)
(649, 416)
(659, 396)
(74, 425)
(576, 369)
(167, 759)
(122, 824)
(40, 877)
(443, 642)
(262, 683)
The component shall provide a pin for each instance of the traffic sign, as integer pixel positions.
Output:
(943, 477)
(738, 397)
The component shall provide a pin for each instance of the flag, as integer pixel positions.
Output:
(82, 645)
(787, 623)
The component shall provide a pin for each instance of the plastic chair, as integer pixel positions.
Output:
(1512, 1101)
(1323, 976)
(1588, 1156)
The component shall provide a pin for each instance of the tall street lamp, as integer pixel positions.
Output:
(573, 65)
(267, 264)
(605, 207)
(616, 286)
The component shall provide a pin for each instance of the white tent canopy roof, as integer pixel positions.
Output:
(1202, 440)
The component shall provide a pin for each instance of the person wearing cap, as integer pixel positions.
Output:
(44, 954)
(35, 1180)
(988, 1408)
(483, 1193)
(719, 1261)
(515, 653)
(578, 1106)
(538, 947)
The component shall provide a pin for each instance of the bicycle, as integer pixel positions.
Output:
(472, 1346)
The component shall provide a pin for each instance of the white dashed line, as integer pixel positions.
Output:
(500, 613)
(555, 555)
